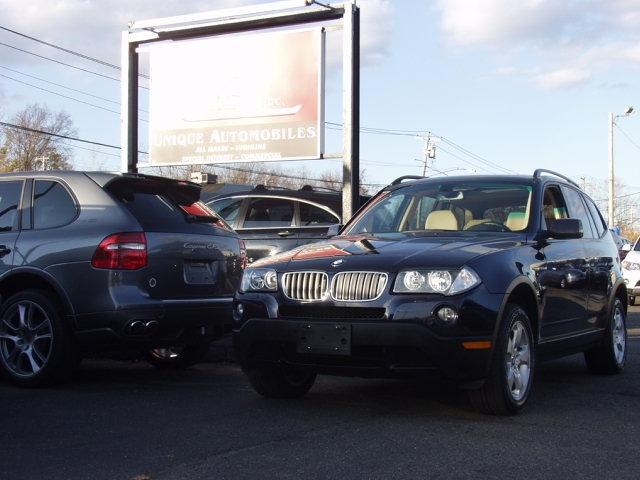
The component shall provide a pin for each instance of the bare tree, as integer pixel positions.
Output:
(28, 150)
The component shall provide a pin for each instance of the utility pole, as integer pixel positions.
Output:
(612, 178)
(429, 154)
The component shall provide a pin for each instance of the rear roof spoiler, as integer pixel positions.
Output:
(187, 191)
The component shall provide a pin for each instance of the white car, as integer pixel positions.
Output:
(631, 271)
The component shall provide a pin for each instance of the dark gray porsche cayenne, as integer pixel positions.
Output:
(95, 262)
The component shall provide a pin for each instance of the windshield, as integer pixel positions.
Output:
(637, 246)
(470, 206)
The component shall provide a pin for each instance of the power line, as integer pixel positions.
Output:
(64, 86)
(66, 137)
(65, 96)
(66, 50)
(92, 72)
(631, 140)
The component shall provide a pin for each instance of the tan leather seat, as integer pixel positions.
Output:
(473, 223)
(441, 220)
(516, 221)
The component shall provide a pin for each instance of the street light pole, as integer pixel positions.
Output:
(611, 172)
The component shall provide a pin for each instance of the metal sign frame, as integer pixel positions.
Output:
(245, 19)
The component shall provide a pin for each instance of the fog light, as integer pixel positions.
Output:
(238, 312)
(448, 315)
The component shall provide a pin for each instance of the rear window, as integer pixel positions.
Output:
(9, 201)
(163, 210)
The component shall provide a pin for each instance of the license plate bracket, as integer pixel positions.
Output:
(200, 272)
(324, 339)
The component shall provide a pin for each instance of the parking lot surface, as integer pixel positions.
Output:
(124, 420)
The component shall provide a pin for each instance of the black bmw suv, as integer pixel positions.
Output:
(474, 279)
(93, 262)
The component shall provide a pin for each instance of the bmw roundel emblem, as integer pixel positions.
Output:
(337, 263)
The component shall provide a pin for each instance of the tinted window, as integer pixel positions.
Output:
(553, 206)
(477, 206)
(269, 212)
(227, 208)
(311, 216)
(597, 218)
(52, 205)
(9, 201)
(578, 210)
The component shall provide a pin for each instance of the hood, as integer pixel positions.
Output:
(391, 252)
(633, 256)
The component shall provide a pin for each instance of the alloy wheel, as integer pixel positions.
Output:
(26, 338)
(518, 361)
(618, 335)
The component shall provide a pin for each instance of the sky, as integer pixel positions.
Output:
(511, 85)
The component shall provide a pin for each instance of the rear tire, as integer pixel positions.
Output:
(609, 357)
(281, 383)
(632, 300)
(177, 357)
(36, 346)
(510, 380)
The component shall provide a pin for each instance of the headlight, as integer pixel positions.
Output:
(445, 282)
(259, 280)
(627, 265)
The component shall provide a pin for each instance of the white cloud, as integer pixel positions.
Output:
(555, 44)
(94, 26)
(563, 78)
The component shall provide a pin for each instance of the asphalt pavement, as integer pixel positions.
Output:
(124, 420)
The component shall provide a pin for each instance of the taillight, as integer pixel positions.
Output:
(243, 254)
(121, 251)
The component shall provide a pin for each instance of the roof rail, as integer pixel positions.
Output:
(399, 180)
(538, 173)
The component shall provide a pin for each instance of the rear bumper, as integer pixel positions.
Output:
(378, 349)
(163, 324)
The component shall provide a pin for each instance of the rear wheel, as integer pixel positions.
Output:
(281, 383)
(506, 390)
(177, 357)
(35, 342)
(609, 357)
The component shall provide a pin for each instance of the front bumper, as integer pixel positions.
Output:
(395, 335)
(378, 349)
(632, 281)
(166, 323)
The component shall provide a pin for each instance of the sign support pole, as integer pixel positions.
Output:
(351, 112)
(129, 101)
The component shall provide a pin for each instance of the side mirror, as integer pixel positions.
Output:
(564, 229)
(626, 247)
(334, 230)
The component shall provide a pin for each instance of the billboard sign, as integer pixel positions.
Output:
(237, 98)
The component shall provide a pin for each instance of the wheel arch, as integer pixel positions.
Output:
(19, 279)
(522, 292)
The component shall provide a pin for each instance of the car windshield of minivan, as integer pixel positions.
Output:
(465, 207)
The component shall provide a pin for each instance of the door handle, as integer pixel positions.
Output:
(285, 233)
(4, 250)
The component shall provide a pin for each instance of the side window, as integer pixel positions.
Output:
(600, 226)
(312, 216)
(553, 205)
(269, 213)
(227, 208)
(578, 210)
(9, 201)
(52, 205)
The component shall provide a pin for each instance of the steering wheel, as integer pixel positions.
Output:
(493, 227)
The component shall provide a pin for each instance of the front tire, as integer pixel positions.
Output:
(510, 381)
(632, 301)
(36, 346)
(609, 357)
(281, 383)
(177, 357)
